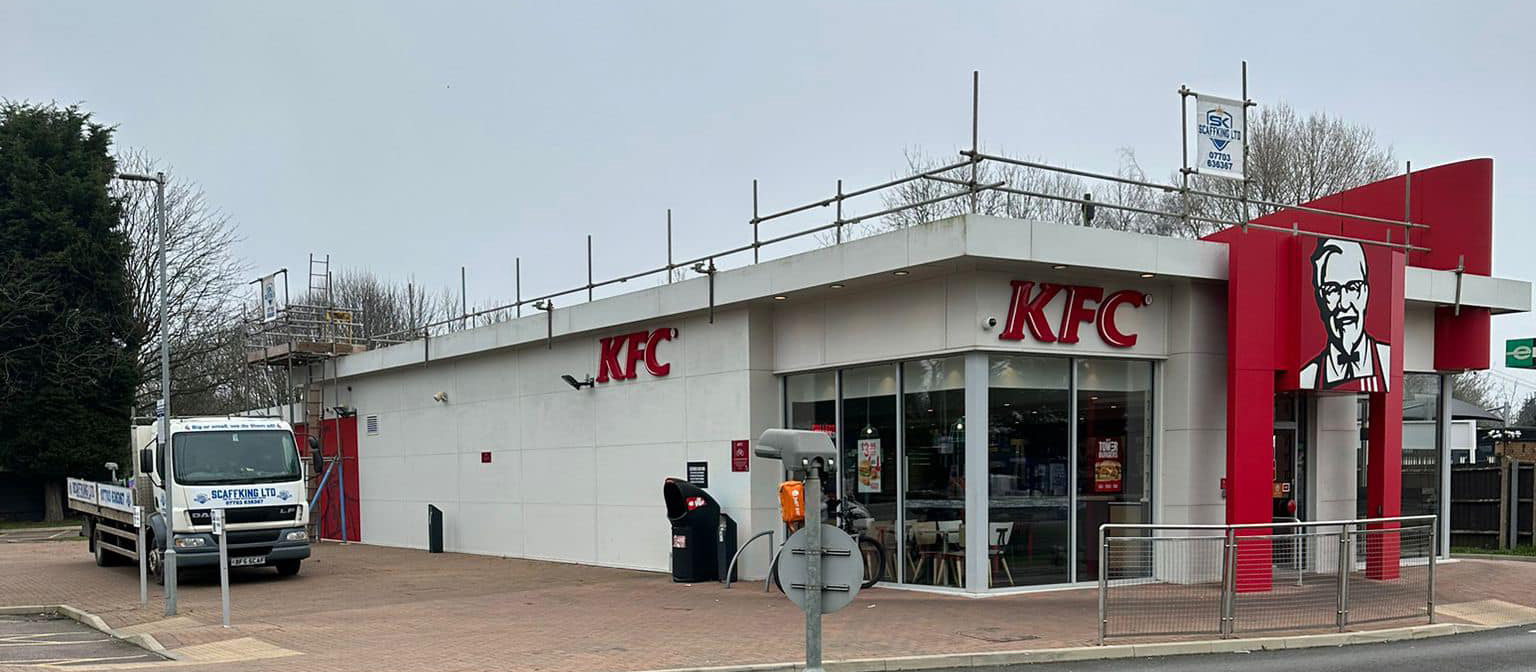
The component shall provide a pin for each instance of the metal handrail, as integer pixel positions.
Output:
(1308, 523)
(970, 187)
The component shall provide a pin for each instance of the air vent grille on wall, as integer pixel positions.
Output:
(373, 425)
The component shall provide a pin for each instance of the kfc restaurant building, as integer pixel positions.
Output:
(995, 386)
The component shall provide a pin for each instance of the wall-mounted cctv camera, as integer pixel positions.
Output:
(440, 397)
(988, 322)
(577, 384)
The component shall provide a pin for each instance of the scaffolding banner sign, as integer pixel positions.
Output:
(269, 298)
(1219, 130)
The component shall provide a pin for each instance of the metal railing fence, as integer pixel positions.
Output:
(963, 176)
(306, 323)
(1286, 575)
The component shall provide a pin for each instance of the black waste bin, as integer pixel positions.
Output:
(696, 521)
(434, 529)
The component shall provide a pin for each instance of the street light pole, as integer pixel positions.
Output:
(169, 564)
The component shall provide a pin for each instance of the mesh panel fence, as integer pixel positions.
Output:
(1389, 590)
(1166, 580)
(1163, 585)
(1286, 581)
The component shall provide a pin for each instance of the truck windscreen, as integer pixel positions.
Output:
(211, 458)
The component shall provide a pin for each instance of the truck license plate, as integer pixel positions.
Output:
(247, 561)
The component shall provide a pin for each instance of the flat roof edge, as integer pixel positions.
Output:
(932, 249)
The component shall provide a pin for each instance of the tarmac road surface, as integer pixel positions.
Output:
(43, 641)
(1503, 650)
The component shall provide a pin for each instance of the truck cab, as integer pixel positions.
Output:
(249, 467)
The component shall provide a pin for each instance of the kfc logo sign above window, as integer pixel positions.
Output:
(1083, 304)
(620, 357)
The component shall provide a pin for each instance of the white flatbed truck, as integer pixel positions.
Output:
(249, 467)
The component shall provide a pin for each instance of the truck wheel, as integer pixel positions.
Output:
(155, 563)
(287, 567)
(104, 557)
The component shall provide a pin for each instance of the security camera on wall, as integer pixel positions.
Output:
(988, 322)
(440, 397)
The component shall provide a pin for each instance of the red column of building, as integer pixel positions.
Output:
(1251, 404)
(1384, 449)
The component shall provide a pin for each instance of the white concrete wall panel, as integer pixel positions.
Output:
(565, 532)
(1419, 332)
(574, 475)
(632, 475)
(891, 322)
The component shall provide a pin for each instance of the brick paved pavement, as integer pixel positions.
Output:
(371, 608)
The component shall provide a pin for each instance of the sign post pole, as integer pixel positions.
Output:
(218, 531)
(142, 552)
(813, 568)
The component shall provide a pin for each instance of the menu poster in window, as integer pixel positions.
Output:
(1107, 467)
(869, 465)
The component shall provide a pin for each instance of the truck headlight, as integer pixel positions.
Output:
(296, 535)
(191, 542)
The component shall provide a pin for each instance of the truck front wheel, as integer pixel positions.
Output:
(287, 567)
(155, 563)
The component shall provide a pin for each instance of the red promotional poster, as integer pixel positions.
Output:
(1107, 467)
(1349, 296)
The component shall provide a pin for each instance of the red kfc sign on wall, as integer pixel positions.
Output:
(619, 357)
(1084, 305)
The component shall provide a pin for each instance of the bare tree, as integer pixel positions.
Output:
(1291, 160)
(926, 195)
(204, 278)
(391, 310)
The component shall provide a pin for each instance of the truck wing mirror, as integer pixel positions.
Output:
(317, 459)
(146, 461)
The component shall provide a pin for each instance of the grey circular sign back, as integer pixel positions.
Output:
(845, 572)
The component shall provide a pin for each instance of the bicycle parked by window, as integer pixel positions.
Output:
(853, 518)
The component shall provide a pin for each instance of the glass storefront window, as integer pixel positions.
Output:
(868, 438)
(1421, 444)
(933, 401)
(1114, 455)
(1421, 447)
(810, 402)
(1065, 437)
(1028, 448)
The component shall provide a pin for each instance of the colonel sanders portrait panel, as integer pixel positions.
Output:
(1352, 359)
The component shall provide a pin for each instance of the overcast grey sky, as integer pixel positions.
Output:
(413, 138)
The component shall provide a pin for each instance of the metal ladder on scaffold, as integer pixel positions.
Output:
(330, 478)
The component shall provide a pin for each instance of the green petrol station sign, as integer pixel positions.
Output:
(1518, 353)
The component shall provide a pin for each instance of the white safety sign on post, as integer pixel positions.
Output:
(218, 531)
(138, 525)
(1219, 137)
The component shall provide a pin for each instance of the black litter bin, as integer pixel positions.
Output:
(703, 539)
